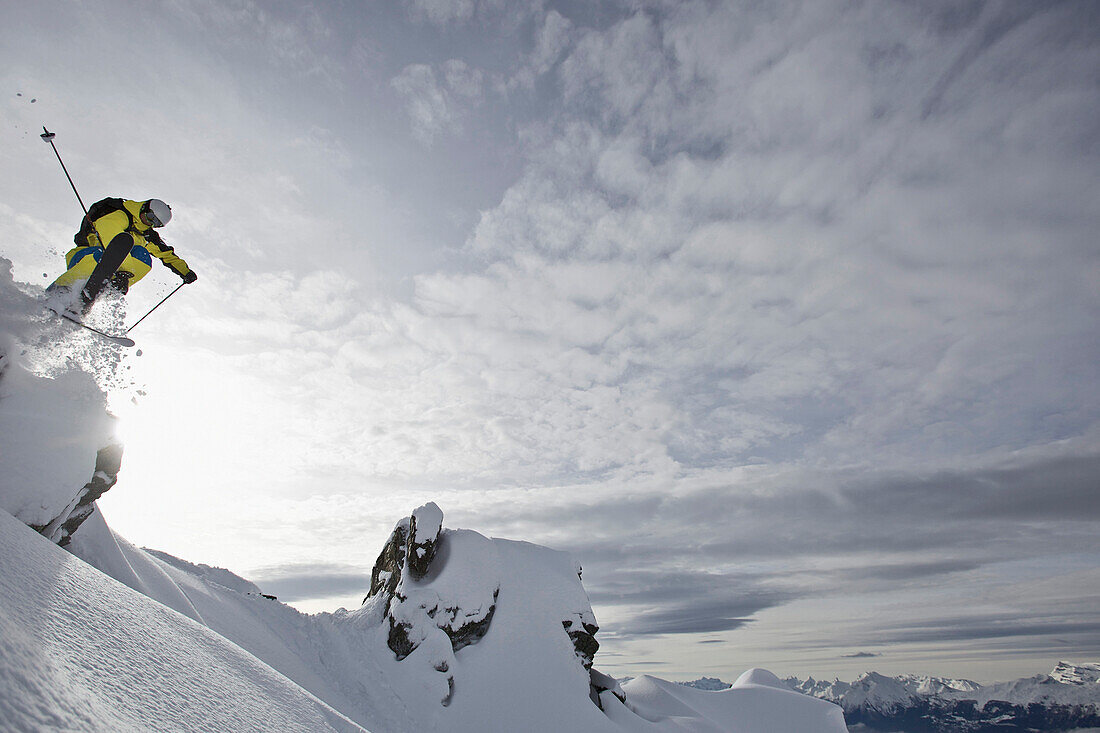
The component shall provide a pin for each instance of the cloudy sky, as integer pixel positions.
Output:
(781, 317)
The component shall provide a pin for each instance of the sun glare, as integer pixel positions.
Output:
(200, 438)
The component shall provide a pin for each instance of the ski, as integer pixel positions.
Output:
(121, 340)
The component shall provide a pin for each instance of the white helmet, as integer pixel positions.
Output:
(156, 212)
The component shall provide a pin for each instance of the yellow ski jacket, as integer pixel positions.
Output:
(106, 220)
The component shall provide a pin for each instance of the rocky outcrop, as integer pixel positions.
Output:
(391, 561)
(583, 636)
(442, 617)
(438, 589)
(108, 463)
(406, 560)
(425, 524)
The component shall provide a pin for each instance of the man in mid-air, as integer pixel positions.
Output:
(129, 229)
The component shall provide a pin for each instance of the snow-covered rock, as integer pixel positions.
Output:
(424, 527)
(438, 591)
(59, 452)
(1076, 674)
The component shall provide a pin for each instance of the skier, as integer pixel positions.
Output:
(132, 242)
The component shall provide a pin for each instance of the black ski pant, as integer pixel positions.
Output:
(108, 263)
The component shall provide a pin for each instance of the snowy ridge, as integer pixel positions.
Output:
(1076, 674)
(515, 678)
(1068, 697)
(221, 576)
(879, 692)
(1067, 684)
(926, 685)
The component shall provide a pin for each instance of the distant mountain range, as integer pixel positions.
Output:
(1066, 699)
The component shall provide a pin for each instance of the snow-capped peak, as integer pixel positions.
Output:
(1076, 674)
(927, 685)
(759, 677)
(879, 692)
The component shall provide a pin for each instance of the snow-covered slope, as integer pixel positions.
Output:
(343, 658)
(329, 655)
(758, 701)
(524, 673)
(81, 652)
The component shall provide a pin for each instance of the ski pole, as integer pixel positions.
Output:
(158, 305)
(48, 137)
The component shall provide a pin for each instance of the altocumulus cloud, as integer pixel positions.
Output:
(848, 247)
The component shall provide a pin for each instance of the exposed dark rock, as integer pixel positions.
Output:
(398, 640)
(409, 550)
(584, 641)
(387, 568)
(470, 632)
(423, 542)
(462, 635)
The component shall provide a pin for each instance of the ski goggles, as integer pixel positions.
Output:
(150, 218)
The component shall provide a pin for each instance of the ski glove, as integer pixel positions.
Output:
(190, 278)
